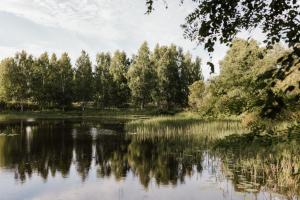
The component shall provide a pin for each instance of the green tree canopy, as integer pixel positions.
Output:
(141, 75)
(189, 72)
(65, 81)
(196, 93)
(40, 79)
(118, 70)
(103, 80)
(168, 84)
(84, 79)
(8, 69)
(159, 77)
(16, 77)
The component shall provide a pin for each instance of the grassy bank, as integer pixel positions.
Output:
(126, 114)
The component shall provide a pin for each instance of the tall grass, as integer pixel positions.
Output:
(181, 125)
(255, 162)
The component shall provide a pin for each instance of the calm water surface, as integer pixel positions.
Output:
(61, 159)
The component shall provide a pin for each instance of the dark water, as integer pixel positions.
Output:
(59, 159)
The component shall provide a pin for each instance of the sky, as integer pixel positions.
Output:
(94, 26)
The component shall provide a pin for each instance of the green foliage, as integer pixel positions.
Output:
(213, 21)
(231, 89)
(279, 83)
(16, 78)
(167, 76)
(196, 90)
(65, 81)
(249, 83)
(118, 70)
(252, 81)
(40, 81)
(84, 79)
(175, 71)
(59, 85)
(7, 68)
(103, 80)
(160, 79)
(141, 75)
(190, 71)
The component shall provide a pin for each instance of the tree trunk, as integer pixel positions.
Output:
(22, 107)
(21, 125)
(82, 106)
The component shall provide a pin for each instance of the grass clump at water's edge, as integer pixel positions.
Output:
(185, 124)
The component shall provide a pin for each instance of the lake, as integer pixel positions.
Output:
(96, 159)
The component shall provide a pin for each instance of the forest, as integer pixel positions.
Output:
(160, 78)
(251, 82)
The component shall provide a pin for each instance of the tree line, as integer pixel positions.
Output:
(160, 77)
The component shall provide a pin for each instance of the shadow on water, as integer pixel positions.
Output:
(167, 155)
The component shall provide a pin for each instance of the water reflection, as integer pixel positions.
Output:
(268, 163)
(252, 164)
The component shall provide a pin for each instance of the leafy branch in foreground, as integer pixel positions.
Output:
(218, 20)
(214, 21)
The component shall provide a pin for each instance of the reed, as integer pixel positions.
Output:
(172, 126)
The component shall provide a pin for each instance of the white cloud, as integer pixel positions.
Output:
(108, 18)
(94, 25)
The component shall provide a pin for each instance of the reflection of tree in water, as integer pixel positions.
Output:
(167, 161)
(43, 147)
(50, 146)
(111, 155)
(83, 149)
(252, 162)
(256, 163)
